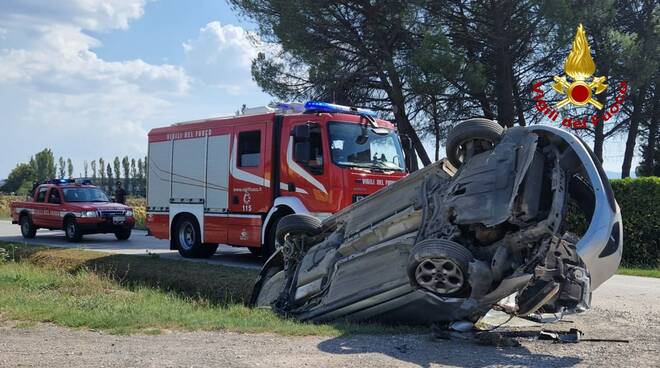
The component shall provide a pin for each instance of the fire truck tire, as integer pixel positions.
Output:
(72, 231)
(255, 251)
(297, 223)
(440, 266)
(187, 238)
(123, 234)
(482, 133)
(28, 230)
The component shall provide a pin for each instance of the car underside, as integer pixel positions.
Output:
(454, 240)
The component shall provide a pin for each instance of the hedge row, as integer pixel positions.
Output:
(639, 200)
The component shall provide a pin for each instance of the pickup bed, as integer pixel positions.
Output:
(78, 209)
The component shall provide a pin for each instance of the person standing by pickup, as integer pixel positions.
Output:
(120, 194)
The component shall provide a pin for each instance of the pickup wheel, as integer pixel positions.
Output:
(28, 230)
(188, 240)
(123, 234)
(72, 231)
(471, 137)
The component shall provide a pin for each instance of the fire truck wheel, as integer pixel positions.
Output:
(297, 223)
(440, 266)
(123, 234)
(188, 240)
(470, 137)
(28, 230)
(255, 251)
(72, 231)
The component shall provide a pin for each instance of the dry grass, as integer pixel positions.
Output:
(5, 200)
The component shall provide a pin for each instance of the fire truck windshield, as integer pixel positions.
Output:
(84, 195)
(353, 145)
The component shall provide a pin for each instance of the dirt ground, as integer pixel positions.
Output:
(625, 308)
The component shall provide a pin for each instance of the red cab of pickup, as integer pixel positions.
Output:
(76, 208)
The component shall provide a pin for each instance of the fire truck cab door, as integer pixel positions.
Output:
(250, 191)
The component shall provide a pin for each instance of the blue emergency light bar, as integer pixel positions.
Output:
(318, 106)
(61, 181)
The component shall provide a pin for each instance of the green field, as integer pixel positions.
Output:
(644, 272)
(126, 294)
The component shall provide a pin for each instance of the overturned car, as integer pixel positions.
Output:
(453, 240)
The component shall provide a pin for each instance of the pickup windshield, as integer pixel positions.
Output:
(84, 195)
(353, 145)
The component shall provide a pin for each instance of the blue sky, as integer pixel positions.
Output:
(89, 78)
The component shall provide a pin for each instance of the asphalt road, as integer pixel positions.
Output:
(138, 244)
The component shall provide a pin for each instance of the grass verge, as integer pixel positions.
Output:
(126, 294)
(644, 272)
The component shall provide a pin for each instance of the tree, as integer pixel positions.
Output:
(21, 176)
(62, 167)
(126, 167)
(109, 173)
(116, 164)
(354, 53)
(43, 165)
(102, 171)
(140, 174)
(69, 167)
(86, 168)
(93, 167)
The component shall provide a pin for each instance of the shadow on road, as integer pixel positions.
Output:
(424, 351)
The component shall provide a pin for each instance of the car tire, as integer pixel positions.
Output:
(297, 223)
(28, 230)
(187, 238)
(484, 133)
(123, 234)
(440, 266)
(72, 231)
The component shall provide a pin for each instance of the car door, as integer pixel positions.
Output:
(52, 217)
(38, 214)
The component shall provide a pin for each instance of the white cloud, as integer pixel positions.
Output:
(54, 85)
(222, 55)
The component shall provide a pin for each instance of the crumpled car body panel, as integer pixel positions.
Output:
(506, 206)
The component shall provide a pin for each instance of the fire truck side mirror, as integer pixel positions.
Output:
(302, 151)
(301, 132)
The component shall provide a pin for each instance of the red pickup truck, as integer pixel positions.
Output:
(77, 208)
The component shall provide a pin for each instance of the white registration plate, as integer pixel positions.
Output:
(118, 219)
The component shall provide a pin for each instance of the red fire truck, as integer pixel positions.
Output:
(230, 180)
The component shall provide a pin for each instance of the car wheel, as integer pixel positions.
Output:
(123, 234)
(188, 239)
(297, 224)
(440, 266)
(471, 137)
(28, 230)
(72, 231)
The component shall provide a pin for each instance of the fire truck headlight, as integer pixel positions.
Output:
(129, 213)
(89, 214)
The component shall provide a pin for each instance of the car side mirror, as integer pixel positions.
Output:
(301, 132)
(301, 152)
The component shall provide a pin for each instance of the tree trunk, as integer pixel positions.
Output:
(395, 93)
(652, 143)
(633, 131)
